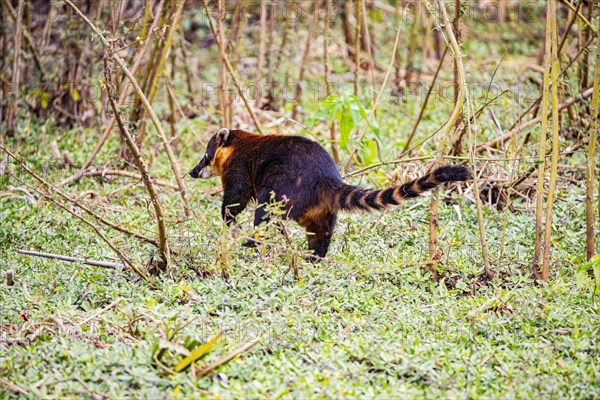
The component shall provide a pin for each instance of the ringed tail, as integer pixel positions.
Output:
(354, 198)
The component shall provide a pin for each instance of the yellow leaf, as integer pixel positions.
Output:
(198, 353)
(176, 391)
(75, 94)
(44, 99)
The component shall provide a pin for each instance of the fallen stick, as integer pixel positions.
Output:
(112, 172)
(96, 228)
(95, 263)
(64, 195)
(228, 357)
(105, 309)
(13, 388)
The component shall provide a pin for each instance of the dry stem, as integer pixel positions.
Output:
(539, 206)
(163, 245)
(591, 161)
(142, 97)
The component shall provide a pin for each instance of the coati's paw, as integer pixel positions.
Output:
(249, 243)
(314, 259)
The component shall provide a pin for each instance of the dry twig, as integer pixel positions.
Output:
(142, 97)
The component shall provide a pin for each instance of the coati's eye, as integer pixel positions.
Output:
(210, 153)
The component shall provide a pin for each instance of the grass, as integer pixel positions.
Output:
(367, 322)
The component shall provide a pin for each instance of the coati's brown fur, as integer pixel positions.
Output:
(303, 176)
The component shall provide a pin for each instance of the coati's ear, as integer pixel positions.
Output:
(222, 136)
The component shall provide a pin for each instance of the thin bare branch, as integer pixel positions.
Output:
(163, 244)
(233, 75)
(74, 201)
(143, 98)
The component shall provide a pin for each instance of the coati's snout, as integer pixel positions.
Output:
(202, 170)
(206, 167)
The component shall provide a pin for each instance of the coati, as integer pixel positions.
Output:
(303, 176)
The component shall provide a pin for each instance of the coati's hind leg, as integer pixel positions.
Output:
(319, 230)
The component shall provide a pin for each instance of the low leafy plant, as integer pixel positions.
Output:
(349, 113)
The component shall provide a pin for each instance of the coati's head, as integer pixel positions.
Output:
(214, 159)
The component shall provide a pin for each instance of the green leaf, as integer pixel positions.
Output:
(375, 127)
(346, 126)
(596, 267)
(355, 110)
(358, 107)
(368, 151)
(372, 146)
(326, 110)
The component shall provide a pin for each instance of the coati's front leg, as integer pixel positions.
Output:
(261, 214)
(235, 200)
